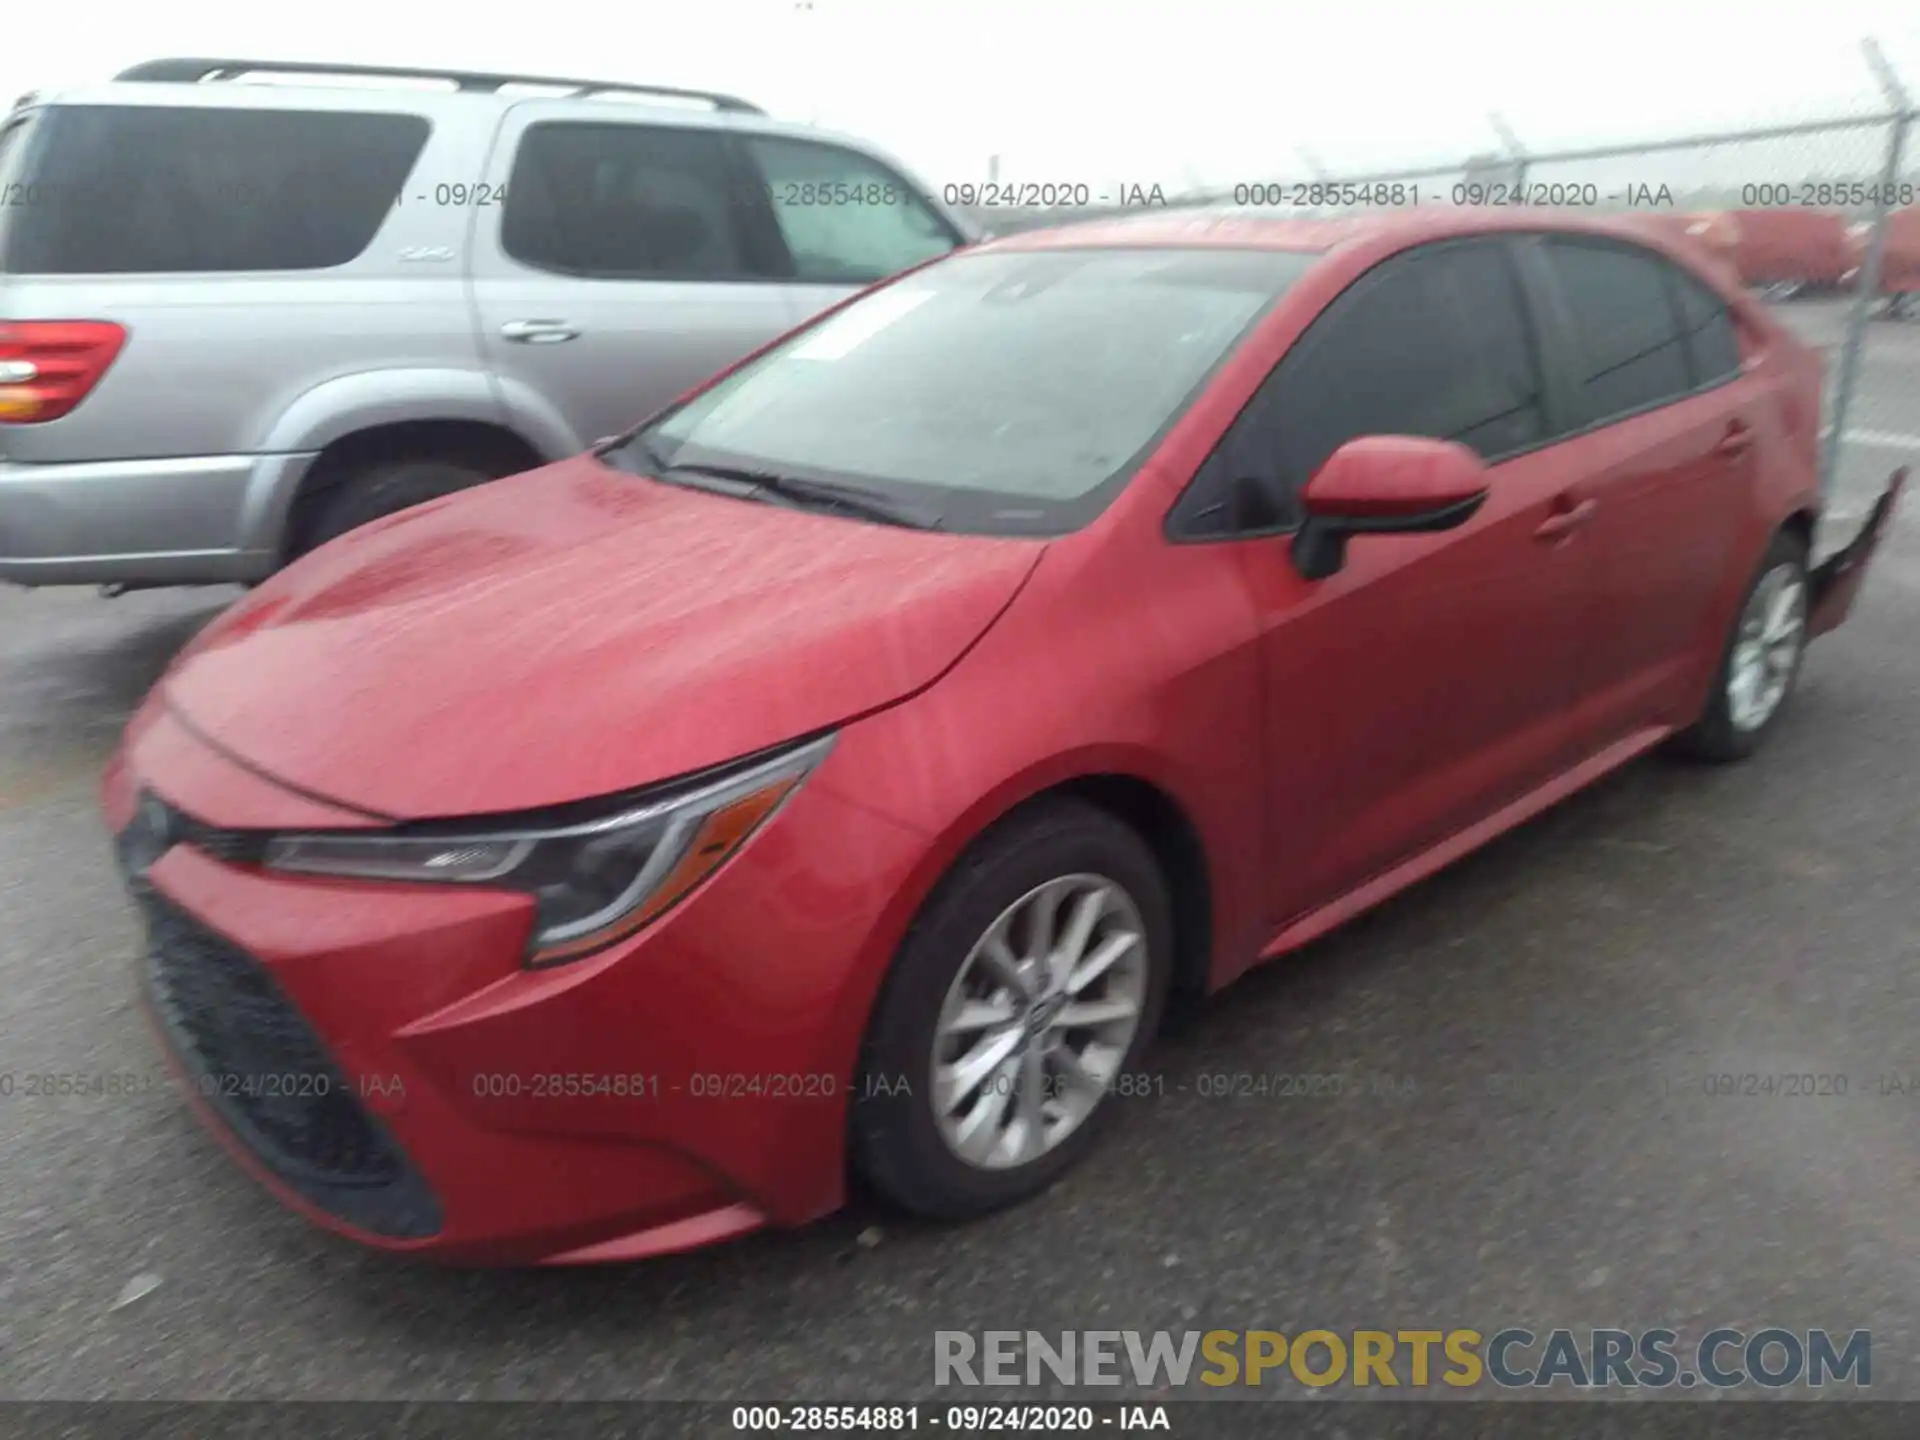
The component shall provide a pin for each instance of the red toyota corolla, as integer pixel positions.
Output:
(837, 773)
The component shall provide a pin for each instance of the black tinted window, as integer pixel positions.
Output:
(1432, 344)
(110, 189)
(1627, 350)
(1711, 339)
(846, 219)
(635, 202)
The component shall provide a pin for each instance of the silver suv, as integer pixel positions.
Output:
(238, 319)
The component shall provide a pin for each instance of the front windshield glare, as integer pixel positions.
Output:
(1016, 385)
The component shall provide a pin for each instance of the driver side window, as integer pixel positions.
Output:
(1432, 343)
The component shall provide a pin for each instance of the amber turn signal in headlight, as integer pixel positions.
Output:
(593, 882)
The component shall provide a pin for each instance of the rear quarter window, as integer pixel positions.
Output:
(124, 189)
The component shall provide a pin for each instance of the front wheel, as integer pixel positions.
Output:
(1762, 659)
(1031, 983)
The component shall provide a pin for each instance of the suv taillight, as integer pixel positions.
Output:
(48, 366)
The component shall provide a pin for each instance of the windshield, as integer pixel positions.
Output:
(1008, 393)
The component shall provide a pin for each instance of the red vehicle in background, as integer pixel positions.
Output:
(1899, 260)
(1790, 249)
(1713, 232)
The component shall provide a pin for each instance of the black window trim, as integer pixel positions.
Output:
(759, 225)
(1549, 301)
(1554, 402)
(939, 216)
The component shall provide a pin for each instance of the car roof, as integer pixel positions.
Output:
(316, 93)
(428, 95)
(453, 106)
(1222, 227)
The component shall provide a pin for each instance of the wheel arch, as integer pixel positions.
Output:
(485, 445)
(1803, 522)
(1121, 784)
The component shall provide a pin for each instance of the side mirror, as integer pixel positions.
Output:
(1385, 485)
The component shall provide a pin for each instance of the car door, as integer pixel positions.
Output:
(1660, 431)
(1427, 682)
(846, 219)
(617, 261)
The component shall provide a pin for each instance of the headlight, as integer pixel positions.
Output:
(593, 882)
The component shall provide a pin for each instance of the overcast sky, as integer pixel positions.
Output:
(1153, 90)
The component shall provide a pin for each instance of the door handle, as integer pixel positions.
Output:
(537, 332)
(1563, 523)
(1737, 441)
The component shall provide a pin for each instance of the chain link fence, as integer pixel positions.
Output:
(1821, 218)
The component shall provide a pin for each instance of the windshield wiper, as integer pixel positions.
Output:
(771, 485)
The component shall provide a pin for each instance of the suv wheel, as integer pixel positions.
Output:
(381, 489)
(1762, 658)
(1019, 1001)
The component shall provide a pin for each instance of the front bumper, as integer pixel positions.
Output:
(380, 1059)
(197, 520)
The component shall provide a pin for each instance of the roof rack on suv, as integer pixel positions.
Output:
(194, 71)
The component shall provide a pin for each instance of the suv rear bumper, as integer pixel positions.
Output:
(190, 521)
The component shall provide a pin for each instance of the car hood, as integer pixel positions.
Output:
(573, 632)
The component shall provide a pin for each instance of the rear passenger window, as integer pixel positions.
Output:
(141, 189)
(635, 202)
(1712, 342)
(1627, 349)
(846, 218)
(1434, 344)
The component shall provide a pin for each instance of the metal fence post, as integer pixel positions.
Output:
(1867, 282)
(1516, 152)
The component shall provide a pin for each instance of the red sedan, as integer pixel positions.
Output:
(838, 772)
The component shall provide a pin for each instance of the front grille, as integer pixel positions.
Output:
(263, 1070)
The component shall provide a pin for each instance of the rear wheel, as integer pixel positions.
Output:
(383, 488)
(1762, 658)
(1028, 988)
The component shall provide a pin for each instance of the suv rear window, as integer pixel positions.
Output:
(136, 189)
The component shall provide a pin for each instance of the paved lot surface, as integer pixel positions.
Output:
(1543, 1153)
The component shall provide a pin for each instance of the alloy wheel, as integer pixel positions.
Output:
(1766, 649)
(1038, 1021)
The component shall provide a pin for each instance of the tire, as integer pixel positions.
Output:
(898, 1144)
(385, 488)
(1723, 733)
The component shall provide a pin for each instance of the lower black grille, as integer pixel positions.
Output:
(264, 1071)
